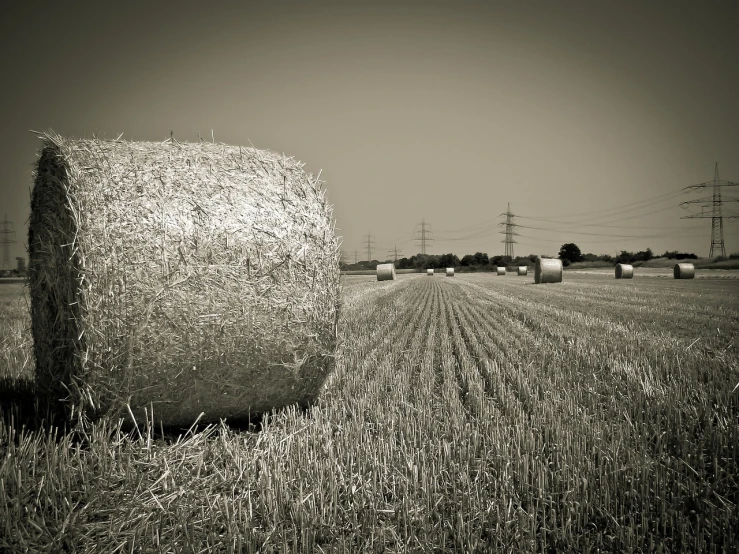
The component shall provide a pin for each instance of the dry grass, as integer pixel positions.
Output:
(465, 415)
(385, 272)
(188, 277)
(548, 270)
(624, 271)
(684, 271)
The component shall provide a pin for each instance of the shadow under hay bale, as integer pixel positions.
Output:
(385, 272)
(624, 271)
(21, 406)
(684, 271)
(191, 277)
(548, 270)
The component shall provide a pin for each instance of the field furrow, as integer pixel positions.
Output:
(474, 414)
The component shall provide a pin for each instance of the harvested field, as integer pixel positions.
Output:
(473, 414)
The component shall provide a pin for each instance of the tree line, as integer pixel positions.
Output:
(569, 253)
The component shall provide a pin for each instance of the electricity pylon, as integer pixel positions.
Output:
(7, 237)
(370, 242)
(425, 236)
(395, 252)
(509, 232)
(716, 215)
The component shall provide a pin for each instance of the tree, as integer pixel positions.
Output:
(481, 258)
(500, 261)
(467, 260)
(570, 253)
(448, 260)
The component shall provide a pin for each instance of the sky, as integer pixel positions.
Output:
(588, 118)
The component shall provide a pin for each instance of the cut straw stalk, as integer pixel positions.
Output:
(385, 272)
(548, 270)
(684, 271)
(191, 277)
(624, 271)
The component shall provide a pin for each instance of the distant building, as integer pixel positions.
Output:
(21, 265)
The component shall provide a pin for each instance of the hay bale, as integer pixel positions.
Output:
(624, 271)
(430, 272)
(684, 271)
(191, 277)
(450, 272)
(386, 272)
(500, 271)
(548, 270)
(523, 270)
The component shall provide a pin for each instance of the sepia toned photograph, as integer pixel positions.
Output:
(329, 277)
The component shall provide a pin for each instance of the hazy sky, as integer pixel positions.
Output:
(446, 111)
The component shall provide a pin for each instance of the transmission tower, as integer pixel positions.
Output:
(369, 244)
(7, 237)
(395, 253)
(425, 236)
(509, 232)
(715, 203)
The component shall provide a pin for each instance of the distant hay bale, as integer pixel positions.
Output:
(450, 272)
(188, 277)
(523, 270)
(624, 271)
(385, 272)
(684, 271)
(548, 270)
(500, 271)
(430, 272)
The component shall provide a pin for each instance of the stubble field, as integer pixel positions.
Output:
(466, 414)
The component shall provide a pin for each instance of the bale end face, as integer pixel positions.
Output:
(624, 271)
(684, 271)
(385, 272)
(548, 270)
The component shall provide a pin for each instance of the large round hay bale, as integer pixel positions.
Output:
(385, 272)
(450, 272)
(188, 277)
(684, 271)
(548, 270)
(500, 270)
(523, 270)
(430, 272)
(624, 271)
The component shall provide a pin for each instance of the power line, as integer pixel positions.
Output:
(717, 220)
(624, 207)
